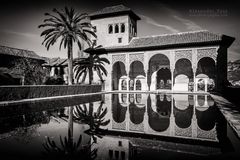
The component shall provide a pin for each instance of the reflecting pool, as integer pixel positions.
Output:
(118, 126)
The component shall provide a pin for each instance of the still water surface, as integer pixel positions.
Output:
(118, 126)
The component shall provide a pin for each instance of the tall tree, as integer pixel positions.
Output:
(30, 69)
(84, 66)
(69, 27)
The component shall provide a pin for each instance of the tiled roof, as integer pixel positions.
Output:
(113, 10)
(178, 39)
(19, 52)
(56, 62)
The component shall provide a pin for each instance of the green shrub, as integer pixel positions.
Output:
(54, 81)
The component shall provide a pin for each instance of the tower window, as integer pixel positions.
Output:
(122, 28)
(110, 29)
(119, 40)
(94, 29)
(120, 143)
(110, 154)
(130, 28)
(116, 28)
(122, 155)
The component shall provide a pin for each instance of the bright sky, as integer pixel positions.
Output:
(20, 18)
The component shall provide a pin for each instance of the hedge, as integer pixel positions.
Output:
(26, 92)
(37, 106)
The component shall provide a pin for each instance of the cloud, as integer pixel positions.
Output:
(189, 24)
(153, 22)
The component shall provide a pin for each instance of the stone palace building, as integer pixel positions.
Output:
(187, 61)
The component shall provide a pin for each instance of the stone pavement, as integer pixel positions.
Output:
(230, 112)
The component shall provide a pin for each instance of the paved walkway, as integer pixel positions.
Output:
(230, 112)
(159, 92)
(5, 103)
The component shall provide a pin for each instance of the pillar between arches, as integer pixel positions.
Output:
(146, 77)
(172, 77)
(128, 81)
(194, 79)
(205, 85)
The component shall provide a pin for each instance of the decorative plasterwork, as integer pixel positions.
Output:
(207, 52)
(119, 126)
(136, 57)
(119, 57)
(209, 135)
(184, 132)
(183, 54)
(136, 127)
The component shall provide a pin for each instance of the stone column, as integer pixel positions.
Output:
(172, 67)
(128, 79)
(194, 119)
(146, 63)
(134, 87)
(111, 80)
(146, 78)
(194, 68)
(145, 120)
(59, 71)
(119, 84)
(111, 119)
(194, 78)
(205, 85)
(196, 101)
(172, 119)
(52, 73)
(205, 101)
(172, 77)
(127, 119)
(127, 65)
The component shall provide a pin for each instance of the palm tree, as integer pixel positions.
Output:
(70, 27)
(84, 66)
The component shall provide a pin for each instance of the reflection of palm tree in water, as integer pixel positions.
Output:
(94, 119)
(68, 149)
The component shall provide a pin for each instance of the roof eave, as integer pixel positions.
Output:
(196, 44)
(130, 13)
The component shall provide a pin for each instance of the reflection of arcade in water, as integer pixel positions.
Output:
(185, 116)
(165, 123)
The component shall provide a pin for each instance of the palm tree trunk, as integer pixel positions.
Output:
(70, 63)
(90, 75)
(70, 124)
(91, 69)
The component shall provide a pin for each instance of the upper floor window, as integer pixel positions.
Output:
(119, 40)
(122, 28)
(110, 29)
(116, 28)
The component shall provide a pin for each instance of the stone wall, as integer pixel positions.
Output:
(104, 38)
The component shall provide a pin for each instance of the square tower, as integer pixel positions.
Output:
(114, 26)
